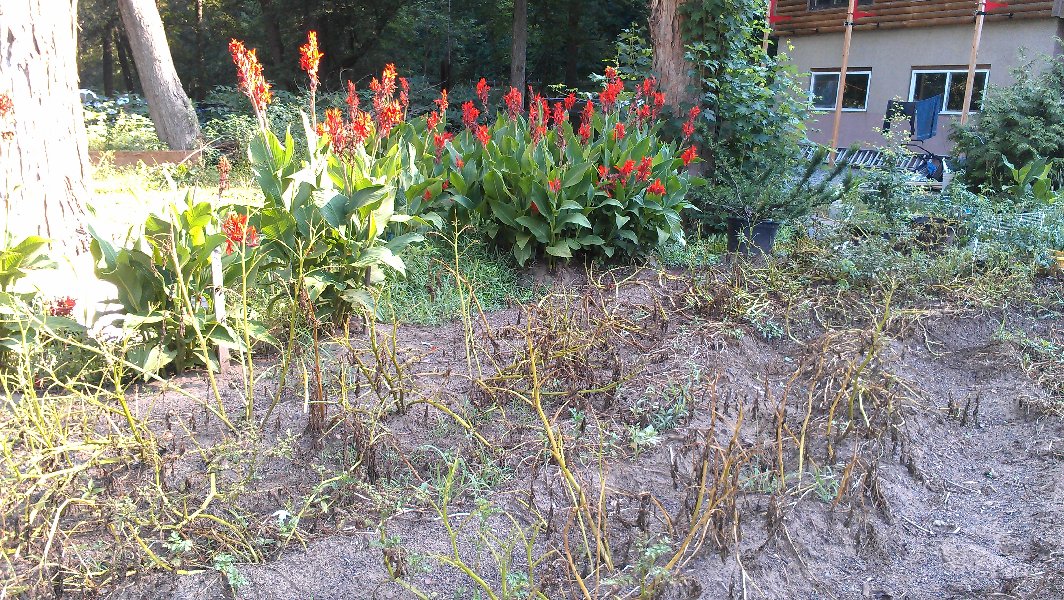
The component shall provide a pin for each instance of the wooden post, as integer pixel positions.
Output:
(970, 83)
(842, 78)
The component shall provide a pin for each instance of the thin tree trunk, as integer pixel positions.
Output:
(572, 43)
(169, 106)
(271, 23)
(123, 60)
(673, 71)
(519, 49)
(43, 150)
(108, 61)
(199, 89)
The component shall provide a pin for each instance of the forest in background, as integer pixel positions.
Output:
(444, 41)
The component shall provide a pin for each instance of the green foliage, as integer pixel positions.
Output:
(1020, 124)
(760, 188)
(164, 286)
(120, 123)
(752, 102)
(323, 221)
(1031, 186)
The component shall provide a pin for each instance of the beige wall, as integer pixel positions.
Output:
(892, 54)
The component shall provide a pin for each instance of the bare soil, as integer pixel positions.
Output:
(946, 480)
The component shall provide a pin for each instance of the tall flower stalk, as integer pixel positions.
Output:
(309, 59)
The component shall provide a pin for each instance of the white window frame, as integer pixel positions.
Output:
(868, 90)
(949, 78)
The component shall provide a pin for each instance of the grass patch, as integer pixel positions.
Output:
(428, 295)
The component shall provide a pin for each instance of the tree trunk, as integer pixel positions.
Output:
(123, 59)
(572, 43)
(108, 61)
(519, 49)
(200, 86)
(43, 150)
(673, 71)
(169, 106)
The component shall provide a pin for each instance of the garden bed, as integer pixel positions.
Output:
(947, 482)
(125, 158)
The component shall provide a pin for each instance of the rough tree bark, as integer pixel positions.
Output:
(519, 49)
(43, 150)
(168, 104)
(666, 36)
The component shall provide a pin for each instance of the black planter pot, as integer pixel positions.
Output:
(750, 240)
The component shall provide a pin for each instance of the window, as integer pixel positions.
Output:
(822, 4)
(927, 83)
(824, 88)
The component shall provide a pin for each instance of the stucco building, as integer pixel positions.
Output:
(908, 50)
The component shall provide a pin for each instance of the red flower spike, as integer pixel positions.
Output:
(625, 170)
(618, 131)
(483, 134)
(689, 124)
(352, 101)
(334, 128)
(458, 162)
(482, 92)
(469, 114)
(441, 103)
(643, 170)
(250, 79)
(427, 195)
(656, 188)
(555, 185)
(62, 307)
(570, 101)
(689, 155)
(514, 102)
(561, 114)
(432, 121)
(310, 57)
(238, 234)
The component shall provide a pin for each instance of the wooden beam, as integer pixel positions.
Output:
(842, 78)
(970, 82)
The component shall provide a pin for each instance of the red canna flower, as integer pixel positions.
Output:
(618, 131)
(387, 110)
(439, 140)
(446, 184)
(585, 122)
(404, 94)
(688, 155)
(470, 114)
(561, 115)
(646, 89)
(351, 100)
(432, 120)
(689, 124)
(250, 79)
(611, 74)
(458, 162)
(361, 127)
(427, 195)
(625, 170)
(514, 102)
(309, 57)
(555, 185)
(483, 134)
(537, 116)
(643, 170)
(604, 172)
(656, 188)
(570, 101)
(61, 307)
(238, 234)
(441, 103)
(334, 128)
(609, 94)
(482, 92)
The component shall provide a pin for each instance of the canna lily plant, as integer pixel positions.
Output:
(325, 215)
(542, 184)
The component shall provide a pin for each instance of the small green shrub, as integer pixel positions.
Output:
(1019, 123)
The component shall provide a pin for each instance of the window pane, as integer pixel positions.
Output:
(856, 91)
(958, 80)
(825, 88)
(929, 84)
